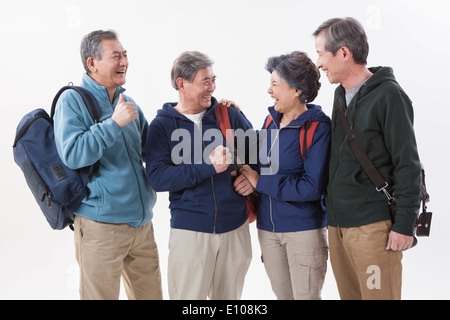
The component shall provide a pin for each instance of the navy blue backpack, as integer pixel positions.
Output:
(57, 189)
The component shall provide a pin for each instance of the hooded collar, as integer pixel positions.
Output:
(168, 110)
(380, 75)
(314, 113)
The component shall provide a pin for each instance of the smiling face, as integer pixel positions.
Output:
(110, 71)
(331, 64)
(198, 93)
(286, 97)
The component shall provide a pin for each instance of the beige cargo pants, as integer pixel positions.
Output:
(296, 262)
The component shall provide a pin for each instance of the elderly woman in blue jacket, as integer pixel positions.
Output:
(291, 219)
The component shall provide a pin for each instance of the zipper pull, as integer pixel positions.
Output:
(49, 199)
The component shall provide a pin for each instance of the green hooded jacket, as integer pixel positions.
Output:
(381, 118)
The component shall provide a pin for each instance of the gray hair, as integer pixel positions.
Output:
(187, 64)
(91, 45)
(347, 32)
(299, 72)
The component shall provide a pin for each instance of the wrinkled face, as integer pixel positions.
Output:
(111, 70)
(198, 93)
(283, 94)
(330, 64)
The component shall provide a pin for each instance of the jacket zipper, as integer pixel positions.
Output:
(339, 161)
(212, 178)
(269, 153)
(337, 168)
(215, 205)
(270, 198)
(132, 165)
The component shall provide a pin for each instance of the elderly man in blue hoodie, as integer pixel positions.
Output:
(209, 246)
(113, 229)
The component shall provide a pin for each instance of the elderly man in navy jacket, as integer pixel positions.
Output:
(209, 248)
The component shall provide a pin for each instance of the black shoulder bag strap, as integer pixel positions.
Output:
(373, 173)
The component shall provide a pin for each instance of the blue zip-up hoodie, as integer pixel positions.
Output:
(288, 200)
(120, 193)
(200, 199)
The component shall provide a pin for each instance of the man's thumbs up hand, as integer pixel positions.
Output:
(124, 112)
(120, 99)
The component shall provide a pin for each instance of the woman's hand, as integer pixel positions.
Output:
(229, 103)
(251, 175)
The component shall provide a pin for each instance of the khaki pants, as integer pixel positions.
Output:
(363, 268)
(105, 252)
(204, 264)
(296, 262)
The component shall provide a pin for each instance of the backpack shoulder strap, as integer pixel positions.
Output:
(307, 134)
(89, 100)
(94, 110)
(224, 123)
(268, 121)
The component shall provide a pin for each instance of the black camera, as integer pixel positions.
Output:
(424, 220)
(424, 224)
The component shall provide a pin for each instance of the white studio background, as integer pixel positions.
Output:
(40, 54)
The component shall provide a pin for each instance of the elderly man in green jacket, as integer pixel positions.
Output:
(365, 241)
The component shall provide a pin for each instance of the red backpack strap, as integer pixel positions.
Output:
(268, 121)
(307, 133)
(224, 123)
